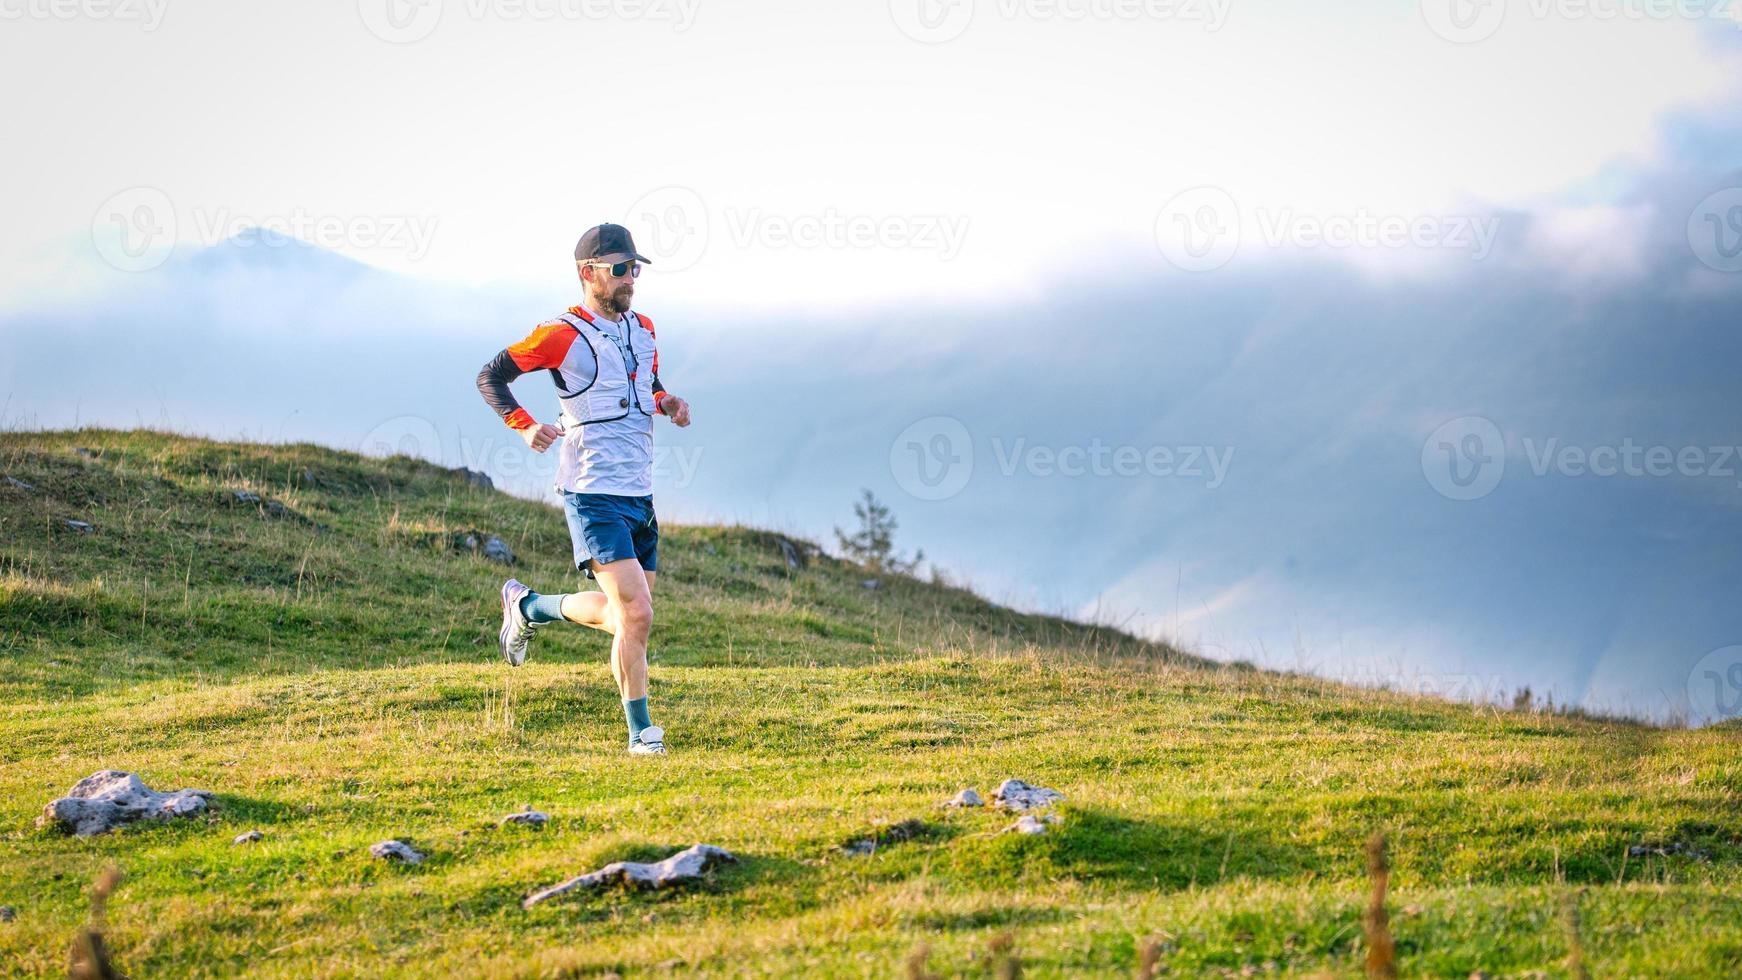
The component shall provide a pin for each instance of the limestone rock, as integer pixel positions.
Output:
(267, 506)
(104, 800)
(686, 865)
(477, 479)
(18, 484)
(497, 549)
(1015, 795)
(1028, 823)
(527, 818)
(1660, 850)
(83, 527)
(248, 838)
(394, 850)
(967, 797)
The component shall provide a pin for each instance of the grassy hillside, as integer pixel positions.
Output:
(324, 660)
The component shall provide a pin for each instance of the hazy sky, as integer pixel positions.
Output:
(815, 156)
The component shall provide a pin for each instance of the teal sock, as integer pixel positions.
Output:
(542, 608)
(635, 712)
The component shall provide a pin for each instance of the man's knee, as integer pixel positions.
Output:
(637, 614)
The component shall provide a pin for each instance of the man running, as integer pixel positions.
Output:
(602, 357)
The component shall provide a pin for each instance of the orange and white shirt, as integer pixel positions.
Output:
(606, 373)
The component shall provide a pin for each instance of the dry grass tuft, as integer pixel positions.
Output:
(1149, 960)
(1006, 965)
(916, 964)
(89, 959)
(1575, 945)
(1381, 949)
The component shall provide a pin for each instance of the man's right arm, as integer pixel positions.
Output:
(493, 385)
(544, 348)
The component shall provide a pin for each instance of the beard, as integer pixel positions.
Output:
(615, 302)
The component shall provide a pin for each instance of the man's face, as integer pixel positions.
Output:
(611, 293)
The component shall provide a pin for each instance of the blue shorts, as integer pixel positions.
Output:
(606, 527)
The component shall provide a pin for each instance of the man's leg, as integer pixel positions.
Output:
(594, 608)
(629, 606)
(589, 609)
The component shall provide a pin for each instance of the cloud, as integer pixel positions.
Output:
(1595, 244)
(1317, 115)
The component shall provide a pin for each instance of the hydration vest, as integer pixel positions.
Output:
(614, 391)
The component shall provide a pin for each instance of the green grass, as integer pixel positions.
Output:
(330, 672)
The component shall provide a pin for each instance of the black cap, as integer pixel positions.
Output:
(608, 242)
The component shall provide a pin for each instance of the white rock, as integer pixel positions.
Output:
(688, 864)
(497, 549)
(1028, 823)
(527, 817)
(967, 797)
(1015, 795)
(393, 850)
(104, 800)
(248, 838)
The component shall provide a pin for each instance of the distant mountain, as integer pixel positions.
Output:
(262, 251)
